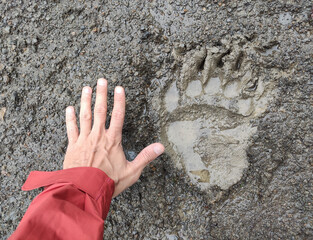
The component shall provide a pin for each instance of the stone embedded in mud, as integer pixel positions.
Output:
(2, 112)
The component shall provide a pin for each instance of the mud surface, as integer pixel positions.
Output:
(226, 85)
(225, 88)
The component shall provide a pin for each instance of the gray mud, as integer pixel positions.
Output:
(234, 77)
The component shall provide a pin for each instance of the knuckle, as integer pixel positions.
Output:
(100, 110)
(146, 155)
(71, 130)
(86, 116)
(118, 114)
(110, 145)
(115, 139)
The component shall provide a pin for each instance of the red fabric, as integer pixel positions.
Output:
(73, 205)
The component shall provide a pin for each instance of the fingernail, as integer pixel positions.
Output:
(69, 110)
(102, 82)
(158, 149)
(118, 89)
(87, 90)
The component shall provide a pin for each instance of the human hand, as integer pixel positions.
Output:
(102, 148)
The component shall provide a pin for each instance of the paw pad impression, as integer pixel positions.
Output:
(208, 107)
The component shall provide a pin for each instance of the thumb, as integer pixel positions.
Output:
(147, 155)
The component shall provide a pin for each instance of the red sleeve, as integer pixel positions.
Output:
(73, 205)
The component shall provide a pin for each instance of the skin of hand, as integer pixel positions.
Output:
(96, 146)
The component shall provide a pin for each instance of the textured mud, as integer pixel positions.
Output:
(226, 85)
(223, 89)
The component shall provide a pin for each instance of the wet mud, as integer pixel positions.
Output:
(221, 79)
(225, 85)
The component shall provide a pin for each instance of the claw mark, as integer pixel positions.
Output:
(239, 61)
(220, 62)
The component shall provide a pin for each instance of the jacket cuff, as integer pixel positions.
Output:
(90, 180)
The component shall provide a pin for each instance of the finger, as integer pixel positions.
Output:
(85, 111)
(118, 113)
(147, 155)
(100, 105)
(71, 125)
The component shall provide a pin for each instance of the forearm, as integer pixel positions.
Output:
(73, 205)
